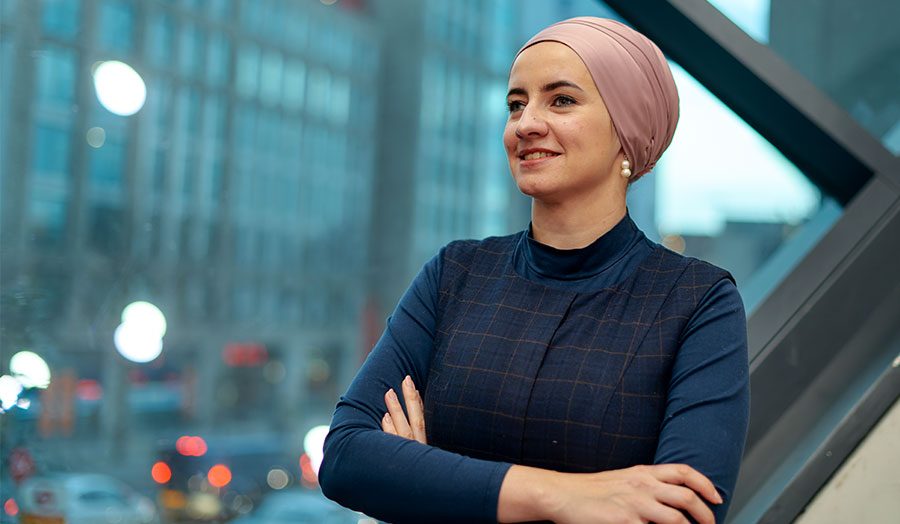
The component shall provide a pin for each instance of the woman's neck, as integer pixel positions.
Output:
(568, 225)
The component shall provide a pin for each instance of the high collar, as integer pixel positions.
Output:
(586, 262)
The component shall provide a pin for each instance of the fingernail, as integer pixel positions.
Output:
(392, 393)
(408, 381)
(719, 498)
(387, 418)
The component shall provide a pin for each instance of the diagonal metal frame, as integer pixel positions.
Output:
(819, 137)
(824, 336)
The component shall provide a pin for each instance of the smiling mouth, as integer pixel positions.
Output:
(537, 155)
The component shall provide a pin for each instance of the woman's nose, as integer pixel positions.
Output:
(531, 123)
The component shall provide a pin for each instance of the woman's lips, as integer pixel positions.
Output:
(536, 158)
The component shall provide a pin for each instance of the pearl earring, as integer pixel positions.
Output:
(626, 169)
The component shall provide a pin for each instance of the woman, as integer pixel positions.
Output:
(575, 372)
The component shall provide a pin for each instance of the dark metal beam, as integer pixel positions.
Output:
(825, 143)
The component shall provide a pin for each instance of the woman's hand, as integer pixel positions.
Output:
(639, 494)
(395, 421)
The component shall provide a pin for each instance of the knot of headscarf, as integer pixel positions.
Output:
(633, 79)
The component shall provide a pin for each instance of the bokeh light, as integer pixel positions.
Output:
(119, 87)
(203, 506)
(219, 475)
(191, 446)
(9, 392)
(30, 369)
(161, 472)
(310, 477)
(172, 499)
(139, 337)
(277, 478)
(146, 315)
(89, 389)
(10, 507)
(135, 345)
(96, 137)
(313, 444)
(241, 504)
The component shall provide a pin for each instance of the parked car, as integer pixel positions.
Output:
(82, 498)
(301, 506)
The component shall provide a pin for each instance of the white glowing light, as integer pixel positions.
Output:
(136, 344)
(96, 137)
(148, 317)
(9, 392)
(30, 370)
(277, 478)
(313, 444)
(119, 87)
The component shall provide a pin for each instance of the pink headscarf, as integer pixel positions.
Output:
(633, 79)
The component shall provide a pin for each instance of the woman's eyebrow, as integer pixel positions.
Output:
(559, 83)
(547, 87)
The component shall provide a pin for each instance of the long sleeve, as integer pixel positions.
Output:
(388, 477)
(708, 402)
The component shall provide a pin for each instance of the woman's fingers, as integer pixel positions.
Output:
(686, 499)
(395, 421)
(398, 418)
(662, 514)
(690, 477)
(415, 408)
(387, 425)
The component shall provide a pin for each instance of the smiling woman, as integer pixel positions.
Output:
(561, 144)
(576, 371)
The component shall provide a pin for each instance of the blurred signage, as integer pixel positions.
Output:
(245, 354)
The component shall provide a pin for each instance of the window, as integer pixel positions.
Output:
(118, 17)
(60, 18)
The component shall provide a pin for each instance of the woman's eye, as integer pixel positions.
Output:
(563, 100)
(515, 105)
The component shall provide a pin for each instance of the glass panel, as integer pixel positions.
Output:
(243, 202)
(850, 50)
(56, 77)
(60, 17)
(117, 20)
(160, 39)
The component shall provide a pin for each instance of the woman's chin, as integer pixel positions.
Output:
(538, 188)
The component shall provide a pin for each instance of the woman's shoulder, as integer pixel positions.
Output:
(685, 266)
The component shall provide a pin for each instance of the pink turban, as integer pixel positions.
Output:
(633, 79)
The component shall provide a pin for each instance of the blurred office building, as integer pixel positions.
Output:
(264, 173)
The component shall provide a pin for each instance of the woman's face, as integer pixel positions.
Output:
(559, 138)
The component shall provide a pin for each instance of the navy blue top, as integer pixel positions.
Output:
(395, 479)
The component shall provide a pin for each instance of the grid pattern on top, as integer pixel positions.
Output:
(535, 375)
